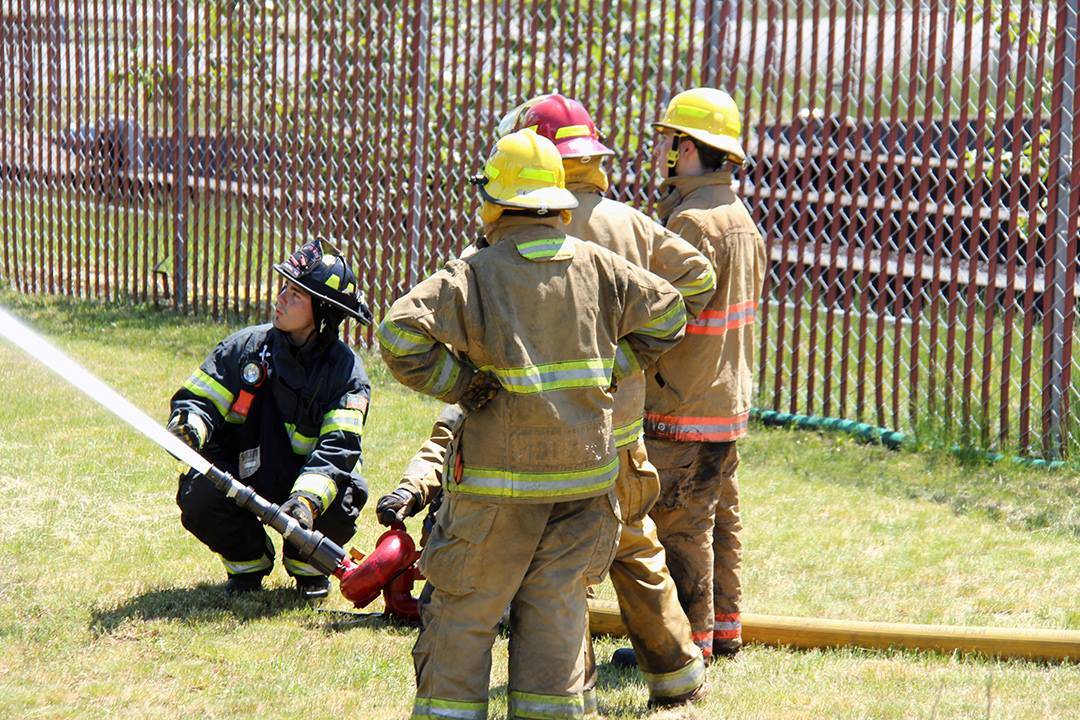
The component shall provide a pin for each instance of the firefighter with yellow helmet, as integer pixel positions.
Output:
(528, 334)
(698, 396)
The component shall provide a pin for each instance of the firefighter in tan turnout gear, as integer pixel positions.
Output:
(530, 514)
(648, 602)
(698, 396)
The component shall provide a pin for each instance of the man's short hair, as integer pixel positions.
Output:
(711, 158)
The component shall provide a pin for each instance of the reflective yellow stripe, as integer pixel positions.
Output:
(399, 342)
(544, 249)
(350, 421)
(320, 486)
(564, 375)
(205, 386)
(691, 111)
(695, 287)
(540, 174)
(333, 281)
(301, 444)
(299, 567)
(667, 324)
(572, 131)
(444, 376)
(589, 703)
(679, 682)
(491, 171)
(449, 709)
(520, 484)
(241, 567)
(628, 434)
(626, 360)
(545, 707)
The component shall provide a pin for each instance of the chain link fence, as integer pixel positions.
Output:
(911, 166)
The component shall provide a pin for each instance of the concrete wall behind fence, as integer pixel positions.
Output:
(911, 166)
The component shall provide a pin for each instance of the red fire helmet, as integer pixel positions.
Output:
(566, 123)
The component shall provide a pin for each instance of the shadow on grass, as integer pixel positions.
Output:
(335, 621)
(199, 604)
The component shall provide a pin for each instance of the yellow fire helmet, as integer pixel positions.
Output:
(707, 115)
(525, 171)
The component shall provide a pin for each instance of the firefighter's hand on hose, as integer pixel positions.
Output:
(482, 388)
(189, 428)
(395, 506)
(302, 508)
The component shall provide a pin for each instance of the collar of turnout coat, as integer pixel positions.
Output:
(682, 187)
(536, 238)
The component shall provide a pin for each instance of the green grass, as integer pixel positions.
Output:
(108, 608)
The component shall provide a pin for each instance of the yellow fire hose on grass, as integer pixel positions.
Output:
(801, 632)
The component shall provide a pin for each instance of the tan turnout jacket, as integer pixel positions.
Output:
(644, 242)
(555, 319)
(702, 390)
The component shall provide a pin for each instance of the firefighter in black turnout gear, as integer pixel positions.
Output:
(281, 407)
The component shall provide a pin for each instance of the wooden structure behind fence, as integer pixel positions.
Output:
(912, 167)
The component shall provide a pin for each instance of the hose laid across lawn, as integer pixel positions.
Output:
(801, 632)
(892, 439)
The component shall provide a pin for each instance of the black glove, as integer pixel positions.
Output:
(482, 388)
(187, 428)
(395, 506)
(302, 508)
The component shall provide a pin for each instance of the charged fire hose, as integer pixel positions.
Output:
(391, 567)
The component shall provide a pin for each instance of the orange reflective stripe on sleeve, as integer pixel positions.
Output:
(697, 429)
(718, 322)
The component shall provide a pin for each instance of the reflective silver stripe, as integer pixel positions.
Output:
(241, 567)
(445, 374)
(626, 361)
(321, 486)
(667, 324)
(299, 567)
(452, 709)
(588, 699)
(301, 444)
(554, 376)
(702, 284)
(509, 483)
(679, 682)
(344, 420)
(546, 707)
(628, 434)
(399, 342)
(727, 626)
(543, 249)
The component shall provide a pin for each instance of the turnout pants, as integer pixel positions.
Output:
(697, 521)
(648, 602)
(536, 558)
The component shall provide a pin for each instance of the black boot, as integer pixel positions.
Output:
(243, 583)
(313, 587)
(624, 658)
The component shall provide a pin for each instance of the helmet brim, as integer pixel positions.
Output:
(576, 147)
(547, 198)
(723, 143)
(359, 313)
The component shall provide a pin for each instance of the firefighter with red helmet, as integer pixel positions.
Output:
(281, 406)
(529, 513)
(698, 396)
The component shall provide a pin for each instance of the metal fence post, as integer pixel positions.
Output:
(417, 183)
(1060, 239)
(180, 168)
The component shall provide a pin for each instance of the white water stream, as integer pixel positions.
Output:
(49, 356)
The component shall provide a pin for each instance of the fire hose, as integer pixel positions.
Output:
(390, 569)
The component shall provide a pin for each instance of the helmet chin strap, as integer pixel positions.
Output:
(673, 154)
